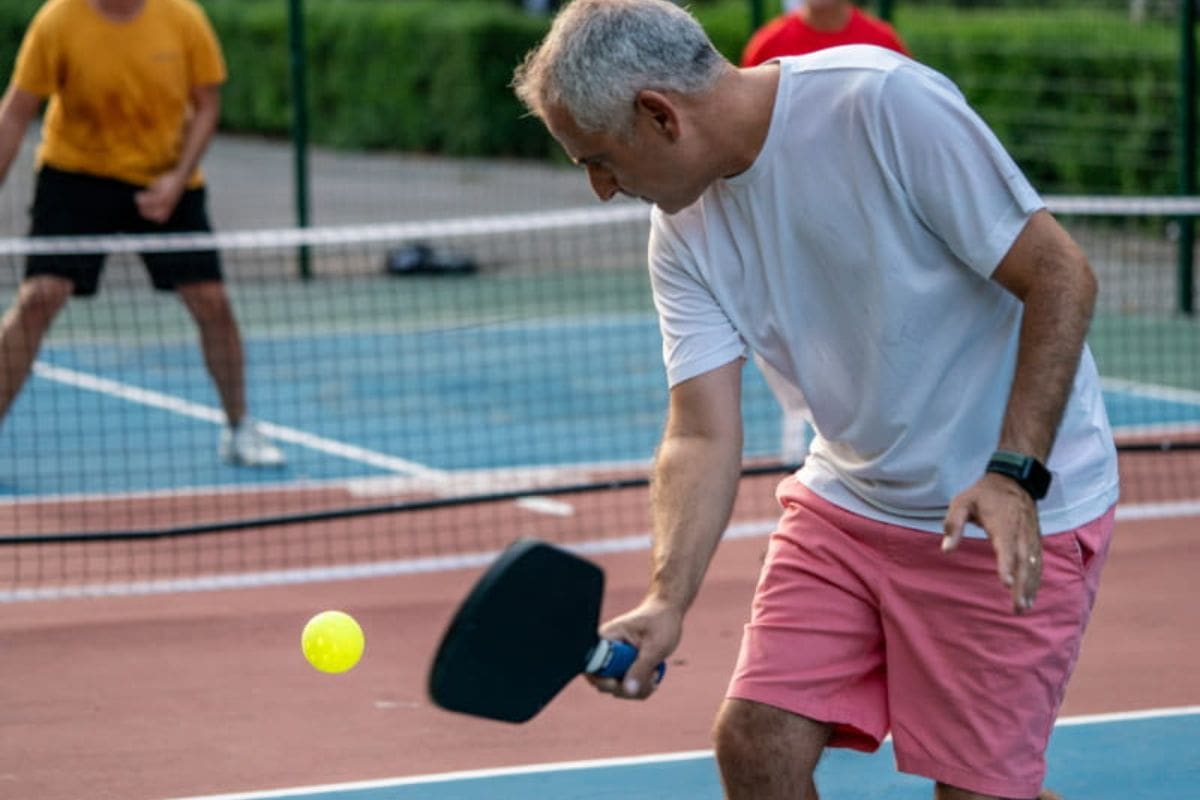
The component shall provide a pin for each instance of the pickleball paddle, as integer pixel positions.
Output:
(523, 632)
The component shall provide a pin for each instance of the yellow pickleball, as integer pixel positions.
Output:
(332, 641)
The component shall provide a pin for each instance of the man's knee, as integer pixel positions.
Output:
(747, 732)
(40, 298)
(738, 725)
(207, 301)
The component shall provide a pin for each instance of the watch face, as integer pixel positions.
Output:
(1030, 473)
(1039, 479)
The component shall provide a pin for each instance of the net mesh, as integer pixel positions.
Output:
(490, 376)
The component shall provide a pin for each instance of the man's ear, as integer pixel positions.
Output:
(659, 112)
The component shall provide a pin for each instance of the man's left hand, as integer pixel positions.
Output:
(1008, 515)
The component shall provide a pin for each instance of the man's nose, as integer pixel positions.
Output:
(603, 183)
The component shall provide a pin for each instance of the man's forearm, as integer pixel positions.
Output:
(17, 110)
(199, 133)
(11, 134)
(1058, 310)
(694, 485)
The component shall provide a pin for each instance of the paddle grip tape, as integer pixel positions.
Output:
(610, 659)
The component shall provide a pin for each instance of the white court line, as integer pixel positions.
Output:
(627, 761)
(1127, 716)
(1183, 508)
(1152, 429)
(426, 477)
(1152, 390)
(186, 408)
(546, 505)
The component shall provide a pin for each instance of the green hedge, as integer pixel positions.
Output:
(1084, 99)
(14, 17)
(418, 76)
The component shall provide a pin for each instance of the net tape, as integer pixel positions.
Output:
(478, 226)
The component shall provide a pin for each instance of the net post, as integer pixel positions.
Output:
(1187, 153)
(297, 54)
(757, 17)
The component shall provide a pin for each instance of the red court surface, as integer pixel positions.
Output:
(125, 698)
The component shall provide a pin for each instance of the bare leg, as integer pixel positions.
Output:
(38, 302)
(221, 342)
(766, 753)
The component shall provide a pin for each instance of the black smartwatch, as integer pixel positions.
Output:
(1027, 471)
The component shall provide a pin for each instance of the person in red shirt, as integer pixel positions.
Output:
(816, 25)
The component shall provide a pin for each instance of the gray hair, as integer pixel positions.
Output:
(600, 53)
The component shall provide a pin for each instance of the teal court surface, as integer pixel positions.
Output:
(117, 417)
(1150, 755)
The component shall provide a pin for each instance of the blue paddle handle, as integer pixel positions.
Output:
(610, 659)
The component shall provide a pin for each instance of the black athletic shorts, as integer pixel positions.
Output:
(75, 204)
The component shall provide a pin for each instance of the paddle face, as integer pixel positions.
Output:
(522, 633)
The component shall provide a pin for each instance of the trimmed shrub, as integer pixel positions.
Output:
(1083, 98)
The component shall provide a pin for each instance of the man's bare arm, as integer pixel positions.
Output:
(694, 484)
(696, 472)
(206, 112)
(1051, 276)
(17, 109)
(157, 202)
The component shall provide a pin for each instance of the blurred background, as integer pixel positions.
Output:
(453, 343)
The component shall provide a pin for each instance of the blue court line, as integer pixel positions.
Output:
(1151, 755)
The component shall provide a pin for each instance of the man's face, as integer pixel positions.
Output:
(646, 164)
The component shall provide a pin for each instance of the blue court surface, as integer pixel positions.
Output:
(131, 417)
(1152, 755)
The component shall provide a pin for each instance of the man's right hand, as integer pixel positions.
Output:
(654, 627)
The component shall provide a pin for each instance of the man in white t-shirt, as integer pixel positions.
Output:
(845, 218)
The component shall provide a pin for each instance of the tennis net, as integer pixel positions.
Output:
(489, 377)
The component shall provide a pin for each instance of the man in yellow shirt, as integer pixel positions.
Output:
(134, 97)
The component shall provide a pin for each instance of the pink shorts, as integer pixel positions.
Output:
(872, 628)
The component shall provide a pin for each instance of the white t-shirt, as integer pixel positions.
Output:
(853, 258)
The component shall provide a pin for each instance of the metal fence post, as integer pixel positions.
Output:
(297, 62)
(756, 15)
(1186, 272)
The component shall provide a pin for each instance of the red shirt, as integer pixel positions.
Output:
(790, 35)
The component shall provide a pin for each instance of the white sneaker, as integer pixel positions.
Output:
(248, 446)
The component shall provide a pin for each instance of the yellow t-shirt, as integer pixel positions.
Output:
(119, 91)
